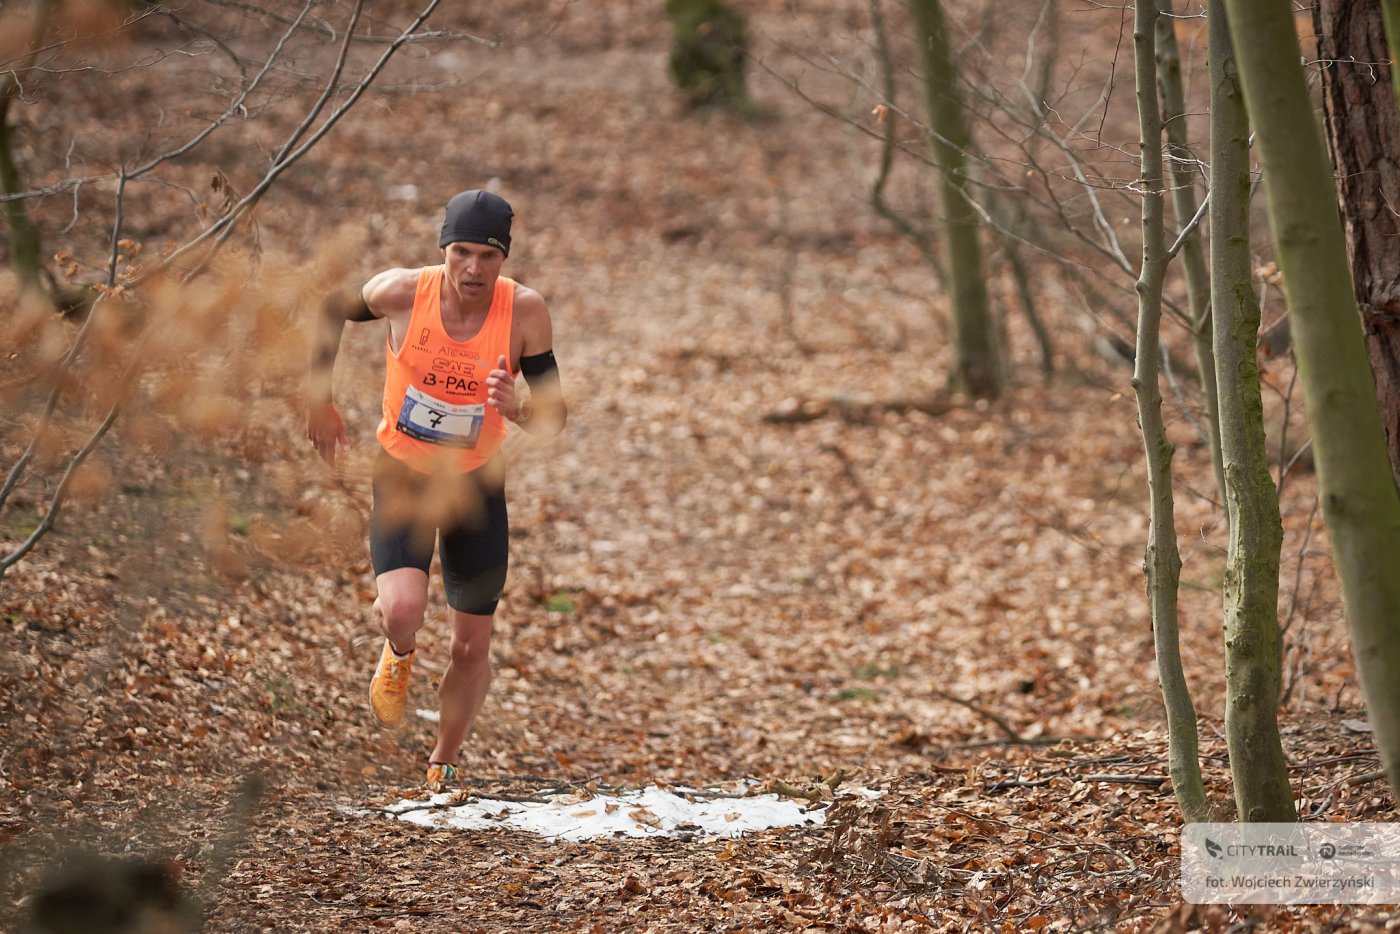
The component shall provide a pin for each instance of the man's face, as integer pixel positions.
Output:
(472, 268)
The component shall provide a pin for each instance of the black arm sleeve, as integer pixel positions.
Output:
(538, 365)
(361, 312)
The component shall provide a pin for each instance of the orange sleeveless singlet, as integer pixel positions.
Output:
(435, 407)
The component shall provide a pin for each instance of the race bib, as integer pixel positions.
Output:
(428, 419)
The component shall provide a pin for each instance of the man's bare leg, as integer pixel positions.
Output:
(463, 688)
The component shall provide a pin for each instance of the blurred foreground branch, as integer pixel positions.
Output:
(183, 264)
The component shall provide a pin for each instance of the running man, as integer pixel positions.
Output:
(458, 332)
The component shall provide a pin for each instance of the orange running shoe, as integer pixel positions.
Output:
(441, 773)
(388, 690)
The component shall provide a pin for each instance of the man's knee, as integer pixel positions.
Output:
(471, 641)
(469, 653)
(402, 609)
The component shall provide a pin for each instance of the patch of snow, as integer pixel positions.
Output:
(650, 812)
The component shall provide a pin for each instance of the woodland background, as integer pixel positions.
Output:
(771, 545)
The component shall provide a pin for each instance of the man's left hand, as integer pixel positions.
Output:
(500, 390)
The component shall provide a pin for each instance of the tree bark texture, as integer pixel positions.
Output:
(1253, 651)
(974, 331)
(1359, 500)
(1363, 133)
(1162, 561)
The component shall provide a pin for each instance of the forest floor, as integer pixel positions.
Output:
(770, 547)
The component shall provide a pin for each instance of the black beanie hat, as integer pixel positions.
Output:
(477, 216)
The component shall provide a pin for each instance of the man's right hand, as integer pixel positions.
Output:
(326, 430)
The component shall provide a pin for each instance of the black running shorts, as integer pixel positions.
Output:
(465, 515)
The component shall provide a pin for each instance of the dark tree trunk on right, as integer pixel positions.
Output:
(1363, 133)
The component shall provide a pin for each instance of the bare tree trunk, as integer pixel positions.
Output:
(1162, 562)
(1363, 132)
(24, 234)
(1253, 667)
(1359, 500)
(974, 331)
(1184, 207)
(25, 243)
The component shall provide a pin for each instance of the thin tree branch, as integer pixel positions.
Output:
(877, 192)
(50, 404)
(289, 158)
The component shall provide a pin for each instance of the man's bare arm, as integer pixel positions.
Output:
(337, 308)
(387, 295)
(324, 426)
